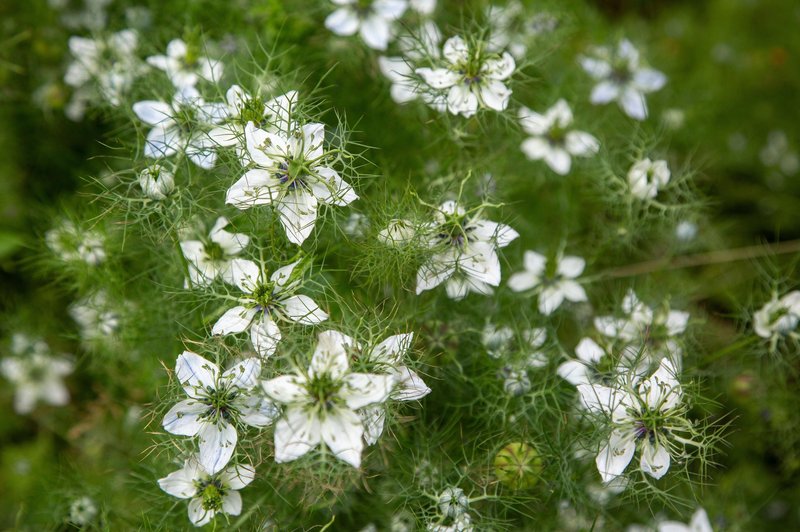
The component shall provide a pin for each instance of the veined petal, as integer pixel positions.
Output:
(195, 372)
(410, 386)
(162, 141)
(373, 419)
(282, 276)
(433, 273)
(615, 456)
(198, 515)
(243, 273)
(391, 350)
(495, 95)
(574, 372)
(456, 50)
(655, 459)
(153, 112)
(244, 375)
(217, 442)
(343, 21)
(330, 356)
(362, 389)
(232, 503)
(255, 187)
(500, 68)
(182, 419)
(238, 476)
(298, 214)
(329, 188)
(296, 434)
(180, 483)
(257, 411)
(235, 320)
(438, 78)
(461, 100)
(342, 431)
(303, 309)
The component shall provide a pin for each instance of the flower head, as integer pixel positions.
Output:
(74, 244)
(184, 65)
(36, 374)
(646, 177)
(218, 401)
(778, 317)
(371, 19)
(210, 494)
(554, 280)
(214, 256)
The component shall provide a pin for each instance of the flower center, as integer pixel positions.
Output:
(252, 110)
(212, 492)
(262, 295)
(213, 251)
(219, 403)
(324, 390)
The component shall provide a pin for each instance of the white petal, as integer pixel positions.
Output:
(574, 372)
(558, 160)
(152, 112)
(409, 387)
(434, 272)
(655, 459)
(486, 231)
(588, 351)
(581, 144)
(295, 434)
(461, 100)
(456, 50)
(265, 335)
(596, 68)
(298, 213)
(194, 371)
(534, 263)
(255, 187)
(615, 456)
(550, 298)
(499, 68)
(495, 95)
(182, 419)
(391, 350)
(439, 78)
(342, 431)
(162, 141)
(535, 148)
(243, 273)
(571, 266)
(303, 309)
(376, 32)
(373, 420)
(235, 320)
(521, 281)
(238, 476)
(257, 411)
(286, 389)
(180, 483)
(217, 442)
(604, 92)
(331, 189)
(232, 503)
(343, 21)
(197, 514)
(649, 80)
(330, 356)
(362, 389)
(634, 104)
(244, 375)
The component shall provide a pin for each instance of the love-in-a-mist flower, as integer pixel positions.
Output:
(554, 280)
(213, 257)
(596, 364)
(210, 494)
(273, 115)
(291, 173)
(514, 29)
(110, 62)
(97, 318)
(388, 357)
(698, 523)
(73, 244)
(499, 343)
(322, 403)
(82, 511)
(184, 65)
(218, 402)
(265, 302)
(157, 182)
(472, 77)
(371, 19)
(621, 78)
(644, 415)
(646, 177)
(464, 248)
(180, 126)
(552, 140)
(778, 317)
(415, 48)
(35, 374)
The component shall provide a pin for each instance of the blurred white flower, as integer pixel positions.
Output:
(397, 233)
(621, 78)
(416, 48)
(35, 374)
(699, 523)
(73, 244)
(777, 153)
(646, 177)
(96, 318)
(184, 65)
(371, 19)
(552, 139)
(82, 511)
(471, 78)
(218, 402)
(210, 494)
(214, 256)
(453, 502)
(322, 403)
(779, 316)
(554, 284)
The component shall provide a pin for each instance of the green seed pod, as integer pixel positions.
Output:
(518, 465)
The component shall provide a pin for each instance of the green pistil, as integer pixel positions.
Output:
(213, 251)
(252, 111)
(325, 391)
(212, 493)
(219, 403)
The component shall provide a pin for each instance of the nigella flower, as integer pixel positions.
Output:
(210, 494)
(646, 177)
(423, 7)
(596, 364)
(499, 343)
(264, 303)
(372, 19)
(646, 417)
(778, 317)
(214, 256)
(184, 65)
(698, 523)
(322, 404)
(621, 78)
(388, 358)
(218, 402)
(464, 250)
(35, 374)
(273, 115)
(290, 172)
(97, 319)
(472, 77)
(552, 139)
(73, 244)
(180, 126)
(421, 46)
(82, 511)
(555, 281)
(109, 62)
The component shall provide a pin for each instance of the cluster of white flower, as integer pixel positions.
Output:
(73, 244)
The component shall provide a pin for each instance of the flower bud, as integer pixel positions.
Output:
(518, 465)
(157, 182)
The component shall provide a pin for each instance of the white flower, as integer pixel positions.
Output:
(621, 78)
(290, 173)
(110, 62)
(638, 418)
(699, 523)
(213, 257)
(595, 364)
(646, 177)
(552, 139)
(209, 493)
(273, 115)
(397, 233)
(471, 77)
(264, 303)
(179, 126)
(322, 403)
(372, 20)
(461, 523)
(184, 66)
(95, 317)
(421, 46)
(554, 286)
(642, 323)
(777, 153)
(779, 316)
(157, 182)
(387, 358)
(465, 252)
(82, 511)
(453, 502)
(423, 7)
(498, 343)
(511, 29)
(218, 401)
(36, 374)
(496, 340)
(73, 244)
(515, 380)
